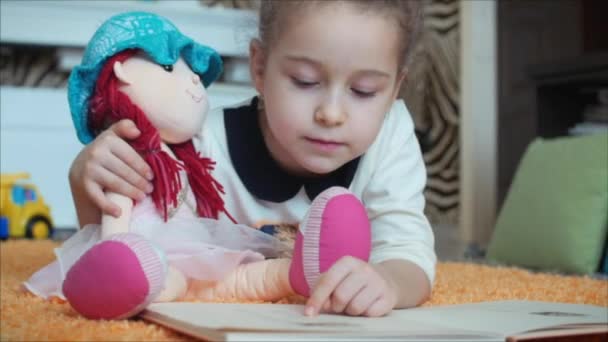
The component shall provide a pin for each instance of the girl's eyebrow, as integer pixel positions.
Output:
(303, 60)
(370, 72)
(375, 73)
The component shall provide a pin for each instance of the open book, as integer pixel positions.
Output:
(486, 321)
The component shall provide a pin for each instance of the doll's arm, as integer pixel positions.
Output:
(111, 225)
(266, 280)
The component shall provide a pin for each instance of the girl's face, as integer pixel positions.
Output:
(173, 97)
(327, 82)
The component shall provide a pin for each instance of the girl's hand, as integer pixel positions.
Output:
(109, 163)
(353, 287)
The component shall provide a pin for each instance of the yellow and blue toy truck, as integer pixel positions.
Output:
(23, 212)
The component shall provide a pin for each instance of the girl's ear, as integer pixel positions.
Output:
(121, 73)
(257, 63)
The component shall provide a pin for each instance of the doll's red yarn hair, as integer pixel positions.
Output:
(108, 105)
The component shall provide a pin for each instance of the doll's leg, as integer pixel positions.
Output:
(266, 280)
(175, 287)
(116, 278)
(335, 226)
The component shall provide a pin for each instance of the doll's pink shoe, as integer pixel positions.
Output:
(335, 226)
(116, 278)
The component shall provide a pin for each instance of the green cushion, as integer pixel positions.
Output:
(555, 215)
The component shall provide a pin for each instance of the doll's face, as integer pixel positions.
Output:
(172, 97)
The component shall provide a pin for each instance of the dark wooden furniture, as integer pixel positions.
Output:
(547, 51)
(564, 89)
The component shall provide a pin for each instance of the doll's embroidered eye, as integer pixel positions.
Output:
(168, 67)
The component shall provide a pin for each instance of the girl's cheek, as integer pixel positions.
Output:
(284, 128)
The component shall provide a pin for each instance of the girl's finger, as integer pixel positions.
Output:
(379, 307)
(109, 181)
(101, 201)
(123, 170)
(326, 306)
(326, 285)
(130, 157)
(346, 291)
(363, 300)
(125, 129)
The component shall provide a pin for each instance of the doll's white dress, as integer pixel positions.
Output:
(202, 249)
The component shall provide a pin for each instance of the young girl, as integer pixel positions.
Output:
(327, 73)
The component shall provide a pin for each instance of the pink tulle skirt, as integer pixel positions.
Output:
(202, 249)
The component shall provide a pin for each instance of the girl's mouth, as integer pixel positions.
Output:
(324, 145)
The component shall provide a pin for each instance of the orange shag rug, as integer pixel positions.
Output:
(24, 317)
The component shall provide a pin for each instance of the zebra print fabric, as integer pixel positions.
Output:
(432, 96)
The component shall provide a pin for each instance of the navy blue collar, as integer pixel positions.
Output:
(259, 172)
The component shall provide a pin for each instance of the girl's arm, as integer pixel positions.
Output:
(86, 210)
(108, 164)
(397, 273)
(403, 238)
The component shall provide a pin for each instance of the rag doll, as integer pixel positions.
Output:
(171, 245)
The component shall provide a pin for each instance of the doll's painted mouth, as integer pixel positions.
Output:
(196, 99)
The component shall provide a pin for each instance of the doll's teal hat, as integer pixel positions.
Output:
(152, 33)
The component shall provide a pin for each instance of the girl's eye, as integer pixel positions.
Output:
(303, 84)
(363, 93)
(168, 68)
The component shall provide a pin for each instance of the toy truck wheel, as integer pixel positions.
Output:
(3, 228)
(38, 227)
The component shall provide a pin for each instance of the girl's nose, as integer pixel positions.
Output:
(330, 114)
(196, 79)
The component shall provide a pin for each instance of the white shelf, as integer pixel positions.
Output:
(72, 23)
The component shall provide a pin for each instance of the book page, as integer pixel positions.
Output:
(513, 317)
(475, 322)
(267, 320)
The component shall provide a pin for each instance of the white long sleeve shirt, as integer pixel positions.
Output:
(389, 179)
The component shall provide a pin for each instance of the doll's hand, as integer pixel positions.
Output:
(109, 163)
(353, 287)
